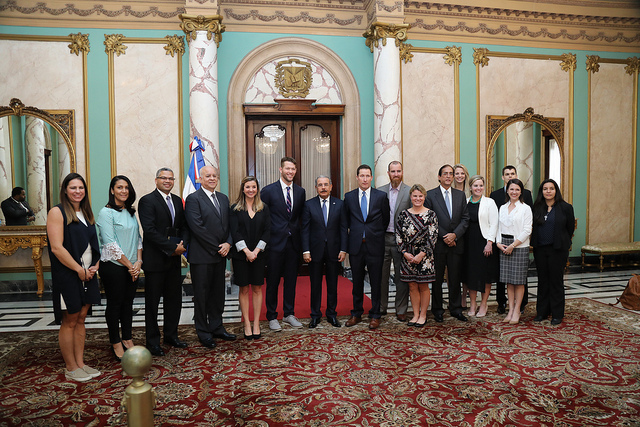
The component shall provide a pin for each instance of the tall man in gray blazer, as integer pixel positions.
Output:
(207, 214)
(450, 206)
(399, 200)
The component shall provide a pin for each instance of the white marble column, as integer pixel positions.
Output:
(64, 162)
(203, 95)
(35, 142)
(5, 161)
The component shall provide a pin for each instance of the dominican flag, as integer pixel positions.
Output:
(195, 164)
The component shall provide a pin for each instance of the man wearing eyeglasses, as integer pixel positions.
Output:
(165, 238)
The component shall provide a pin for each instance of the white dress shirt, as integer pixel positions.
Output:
(517, 223)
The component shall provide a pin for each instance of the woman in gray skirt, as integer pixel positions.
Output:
(514, 229)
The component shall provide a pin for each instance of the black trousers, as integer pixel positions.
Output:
(282, 265)
(550, 264)
(332, 267)
(208, 298)
(501, 296)
(453, 263)
(373, 264)
(120, 291)
(168, 285)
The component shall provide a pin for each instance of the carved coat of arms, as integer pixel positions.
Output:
(293, 78)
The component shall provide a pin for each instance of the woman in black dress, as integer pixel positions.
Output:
(250, 229)
(75, 258)
(480, 261)
(416, 235)
(553, 225)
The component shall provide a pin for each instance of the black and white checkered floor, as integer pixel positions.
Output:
(37, 314)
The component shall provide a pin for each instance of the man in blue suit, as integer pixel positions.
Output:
(367, 215)
(286, 202)
(324, 245)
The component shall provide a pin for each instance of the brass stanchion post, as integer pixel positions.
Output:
(139, 398)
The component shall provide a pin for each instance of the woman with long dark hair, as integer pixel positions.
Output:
(514, 229)
(75, 258)
(121, 256)
(553, 225)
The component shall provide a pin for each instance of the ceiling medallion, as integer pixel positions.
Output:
(293, 78)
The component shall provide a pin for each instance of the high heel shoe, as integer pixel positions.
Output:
(257, 336)
(118, 358)
(420, 325)
(124, 346)
(248, 337)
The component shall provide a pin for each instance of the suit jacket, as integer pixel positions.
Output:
(375, 225)
(284, 225)
(159, 234)
(249, 230)
(402, 202)
(14, 214)
(562, 230)
(316, 235)
(500, 197)
(458, 222)
(209, 229)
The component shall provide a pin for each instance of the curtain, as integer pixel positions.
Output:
(315, 147)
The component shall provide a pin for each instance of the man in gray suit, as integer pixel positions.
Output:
(450, 206)
(399, 200)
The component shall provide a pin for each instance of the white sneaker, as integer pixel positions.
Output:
(77, 375)
(91, 372)
(274, 325)
(291, 319)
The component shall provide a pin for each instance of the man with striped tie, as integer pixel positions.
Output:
(286, 202)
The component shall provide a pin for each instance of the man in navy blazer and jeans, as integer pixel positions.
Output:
(286, 202)
(324, 245)
(367, 214)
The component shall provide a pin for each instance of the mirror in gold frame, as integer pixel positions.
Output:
(534, 144)
(36, 153)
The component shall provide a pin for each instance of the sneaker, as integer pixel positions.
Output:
(77, 375)
(91, 372)
(291, 319)
(274, 325)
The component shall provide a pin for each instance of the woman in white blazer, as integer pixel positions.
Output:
(480, 260)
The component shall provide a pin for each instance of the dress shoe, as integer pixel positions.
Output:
(247, 337)
(155, 350)
(334, 322)
(438, 318)
(175, 342)
(461, 317)
(209, 343)
(556, 321)
(225, 336)
(539, 318)
(314, 322)
(274, 325)
(374, 323)
(401, 317)
(411, 323)
(293, 321)
(502, 309)
(353, 320)
(420, 325)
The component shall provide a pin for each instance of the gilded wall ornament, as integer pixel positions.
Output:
(405, 52)
(382, 31)
(569, 62)
(593, 63)
(633, 65)
(79, 43)
(293, 78)
(113, 44)
(191, 24)
(453, 55)
(175, 44)
(480, 56)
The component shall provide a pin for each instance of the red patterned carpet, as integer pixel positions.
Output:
(482, 373)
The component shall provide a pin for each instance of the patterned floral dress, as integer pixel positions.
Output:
(415, 234)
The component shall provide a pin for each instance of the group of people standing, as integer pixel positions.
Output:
(425, 234)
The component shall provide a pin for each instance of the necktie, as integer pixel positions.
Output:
(289, 200)
(215, 203)
(324, 211)
(173, 212)
(363, 205)
(447, 201)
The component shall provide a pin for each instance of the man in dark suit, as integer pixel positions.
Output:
(207, 214)
(367, 214)
(399, 200)
(286, 202)
(16, 210)
(324, 246)
(164, 241)
(500, 197)
(450, 206)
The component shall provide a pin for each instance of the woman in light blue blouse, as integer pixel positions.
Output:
(121, 256)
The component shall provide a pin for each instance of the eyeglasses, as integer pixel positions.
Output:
(166, 178)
